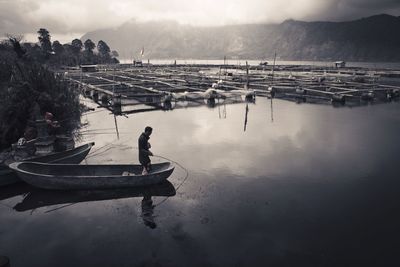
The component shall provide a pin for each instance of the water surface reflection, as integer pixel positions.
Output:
(37, 198)
(304, 185)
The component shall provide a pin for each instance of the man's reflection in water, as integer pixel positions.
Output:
(211, 102)
(147, 211)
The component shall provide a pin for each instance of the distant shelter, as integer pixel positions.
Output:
(89, 68)
(340, 64)
(137, 63)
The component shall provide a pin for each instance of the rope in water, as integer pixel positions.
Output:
(93, 112)
(109, 145)
(183, 181)
(101, 129)
(155, 205)
(93, 153)
(102, 133)
(5, 205)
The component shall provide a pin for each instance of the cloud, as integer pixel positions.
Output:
(340, 10)
(75, 16)
(12, 15)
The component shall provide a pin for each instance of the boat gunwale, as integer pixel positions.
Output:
(85, 147)
(78, 152)
(16, 169)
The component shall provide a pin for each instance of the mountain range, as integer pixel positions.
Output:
(375, 38)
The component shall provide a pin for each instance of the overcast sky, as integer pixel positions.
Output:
(66, 19)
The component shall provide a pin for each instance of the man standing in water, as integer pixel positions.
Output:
(144, 151)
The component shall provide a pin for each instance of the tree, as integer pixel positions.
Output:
(58, 48)
(68, 48)
(89, 46)
(26, 84)
(69, 56)
(103, 48)
(15, 41)
(76, 46)
(114, 53)
(44, 40)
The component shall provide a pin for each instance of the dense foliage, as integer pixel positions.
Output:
(75, 53)
(29, 89)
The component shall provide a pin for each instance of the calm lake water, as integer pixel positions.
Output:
(298, 185)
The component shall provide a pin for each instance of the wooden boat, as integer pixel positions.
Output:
(72, 156)
(72, 176)
(38, 198)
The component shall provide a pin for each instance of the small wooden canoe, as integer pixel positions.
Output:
(72, 156)
(72, 176)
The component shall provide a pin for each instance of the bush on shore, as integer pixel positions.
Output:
(29, 88)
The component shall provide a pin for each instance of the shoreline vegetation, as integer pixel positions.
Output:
(29, 88)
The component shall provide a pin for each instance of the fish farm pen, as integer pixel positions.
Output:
(126, 89)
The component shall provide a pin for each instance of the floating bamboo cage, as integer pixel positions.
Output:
(164, 86)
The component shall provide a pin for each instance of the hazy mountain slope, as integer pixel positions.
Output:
(375, 38)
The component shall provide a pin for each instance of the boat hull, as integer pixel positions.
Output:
(76, 177)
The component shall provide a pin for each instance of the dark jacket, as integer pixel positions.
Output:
(144, 158)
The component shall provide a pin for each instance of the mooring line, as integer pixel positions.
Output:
(178, 164)
(58, 208)
(157, 156)
(93, 112)
(183, 181)
(5, 205)
(110, 145)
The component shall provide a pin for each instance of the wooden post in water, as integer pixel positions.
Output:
(247, 75)
(273, 69)
(224, 67)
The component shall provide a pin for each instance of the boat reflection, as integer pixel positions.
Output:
(210, 102)
(38, 198)
(14, 190)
